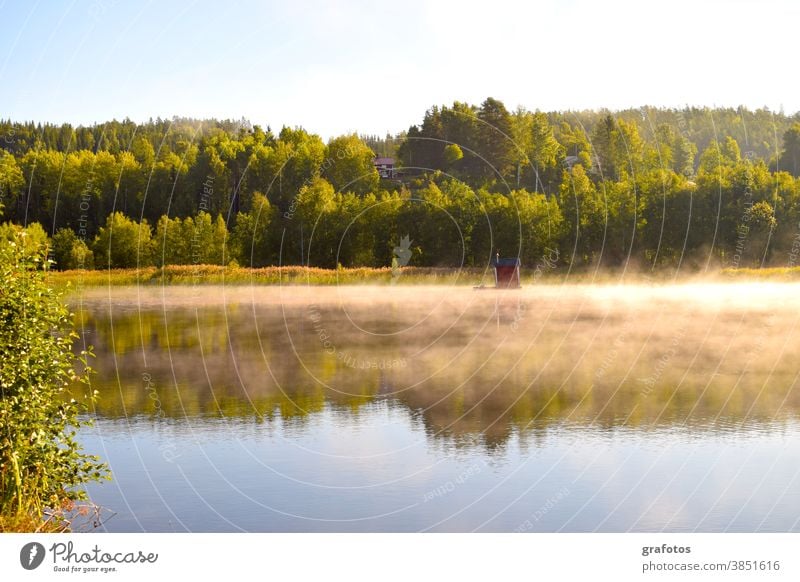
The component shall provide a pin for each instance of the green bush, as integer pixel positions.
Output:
(42, 465)
(34, 241)
(70, 252)
(123, 244)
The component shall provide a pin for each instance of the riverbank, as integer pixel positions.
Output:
(766, 274)
(294, 275)
(288, 275)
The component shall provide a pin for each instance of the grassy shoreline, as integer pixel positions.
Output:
(289, 275)
(295, 275)
(766, 274)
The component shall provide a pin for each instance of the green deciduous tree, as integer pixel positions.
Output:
(452, 154)
(250, 241)
(538, 155)
(349, 165)
(173, 241)
(70, 252)
(123, 244)
(586, 215)
(208, 238)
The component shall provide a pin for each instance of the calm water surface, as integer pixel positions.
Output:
(556, 408)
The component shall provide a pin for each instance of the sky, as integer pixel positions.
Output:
(372, 67)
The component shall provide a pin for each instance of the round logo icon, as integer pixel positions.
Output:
(31, 555)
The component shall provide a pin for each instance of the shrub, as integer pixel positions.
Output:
(123, 244)
(41, 463)
(34, 241)
(70, 252)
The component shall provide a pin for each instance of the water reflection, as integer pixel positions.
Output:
(613, 408)
(469, 365)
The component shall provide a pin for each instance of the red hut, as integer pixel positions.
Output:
(506, 273)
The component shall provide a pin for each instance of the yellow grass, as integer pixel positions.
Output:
(772, 274)
(290, 275)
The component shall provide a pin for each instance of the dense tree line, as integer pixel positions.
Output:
(655, 186)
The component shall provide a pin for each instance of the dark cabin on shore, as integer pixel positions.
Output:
(385, 167)
(506, 273)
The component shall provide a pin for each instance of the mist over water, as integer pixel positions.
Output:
(405, 408)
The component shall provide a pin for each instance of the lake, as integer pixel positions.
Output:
(571, 408)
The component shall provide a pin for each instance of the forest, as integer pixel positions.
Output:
(653, 187)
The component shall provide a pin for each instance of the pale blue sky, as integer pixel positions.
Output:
(335, 67)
